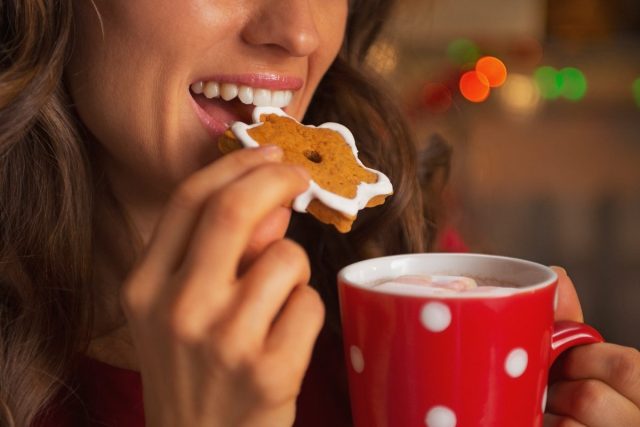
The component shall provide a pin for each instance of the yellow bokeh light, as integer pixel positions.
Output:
(520, 94)
(383, 57)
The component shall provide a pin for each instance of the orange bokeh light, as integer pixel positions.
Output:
(474, 86)
(493, 69)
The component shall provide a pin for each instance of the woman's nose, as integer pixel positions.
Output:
(289, 25)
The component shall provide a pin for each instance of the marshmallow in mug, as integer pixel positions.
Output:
(438, 284)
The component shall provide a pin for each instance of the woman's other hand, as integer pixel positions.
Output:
(221, 314)
(595, 385)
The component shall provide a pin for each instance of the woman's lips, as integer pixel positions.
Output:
(221, 100)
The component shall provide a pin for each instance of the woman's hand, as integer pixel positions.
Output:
(219, 307)
(595, 385)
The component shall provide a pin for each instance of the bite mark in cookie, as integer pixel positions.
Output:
(340, 184)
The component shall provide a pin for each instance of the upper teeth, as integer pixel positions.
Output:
(247, 95)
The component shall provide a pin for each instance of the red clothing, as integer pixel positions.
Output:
(449, 240)
(107, 396)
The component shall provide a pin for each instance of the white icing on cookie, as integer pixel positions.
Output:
(349, 207)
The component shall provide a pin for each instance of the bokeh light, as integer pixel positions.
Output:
(574, 84)
(549, 82)
(463, 52)
(383, 57)
(520, 95)
(493, 69)
(474, 86)
(569, 83)
(437, 97)
(636, 91)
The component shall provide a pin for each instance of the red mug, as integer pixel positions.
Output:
(452, 360)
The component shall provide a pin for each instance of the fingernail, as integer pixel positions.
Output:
(555, 267)
(271, 152)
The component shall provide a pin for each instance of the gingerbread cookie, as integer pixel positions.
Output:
(340, 184)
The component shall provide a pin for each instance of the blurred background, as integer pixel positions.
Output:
(546, 164)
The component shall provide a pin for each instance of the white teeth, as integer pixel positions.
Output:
(245, 94)
(259, 97)
(288, 96)
(279, 98)
(197, 88)
(211, 90)
(228, 91)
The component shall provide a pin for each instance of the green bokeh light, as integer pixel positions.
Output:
(463, 51)
(574, 84)
(549, 82)
(636, 91)
(569, 83)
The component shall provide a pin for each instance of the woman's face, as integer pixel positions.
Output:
(136, 65)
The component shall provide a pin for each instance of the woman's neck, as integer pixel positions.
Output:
(121, 230)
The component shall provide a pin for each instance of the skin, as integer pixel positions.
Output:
(594, 385)
(217, 314)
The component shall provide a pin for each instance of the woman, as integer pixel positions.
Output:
(129, 244)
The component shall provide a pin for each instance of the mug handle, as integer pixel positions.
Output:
(568, 334)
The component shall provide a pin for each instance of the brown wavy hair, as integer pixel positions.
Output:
(46, 188)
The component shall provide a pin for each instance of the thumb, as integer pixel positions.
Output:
(568, 303)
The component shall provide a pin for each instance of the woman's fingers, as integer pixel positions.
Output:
(267, 284)
(294, 332)
(615, 365)
(229, 218)
(551, 420)
(173, 231)
(592, 403)
(222, 234)
(298, 324)
(272, 228)
(568, 303)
